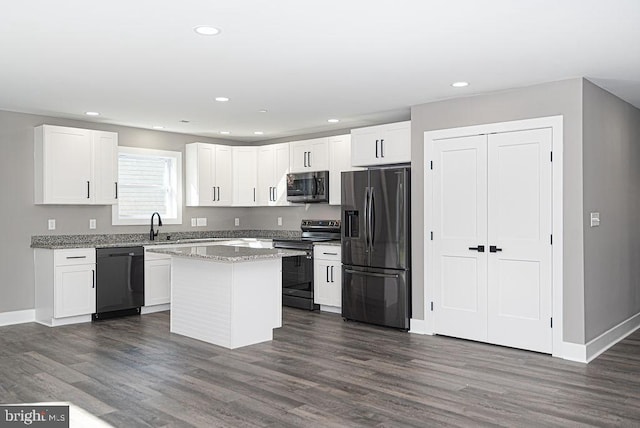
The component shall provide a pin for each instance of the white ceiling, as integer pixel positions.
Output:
(139, 62)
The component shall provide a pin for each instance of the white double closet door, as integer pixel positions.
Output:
(492, 200)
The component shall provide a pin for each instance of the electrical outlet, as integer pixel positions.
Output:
(52, 224)
(279, 221)
(201, 221)
(237, 221)
(193, 222)
(92, 223)
(595, 219)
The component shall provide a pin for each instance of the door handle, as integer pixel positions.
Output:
(309, 159)
(372, 217)
(305, 159)
(93, 278)
(332, 274)
(374, 274)
(218, 193)
(494, 249)
(116, 183)
(88, 190)
(254, 194)
(328, 274)
(376, 149)
(479, 248)
(382, 148)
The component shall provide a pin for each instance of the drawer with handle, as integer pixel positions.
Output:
(74, 256)
(327, 252)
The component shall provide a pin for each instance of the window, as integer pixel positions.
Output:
(148, 181)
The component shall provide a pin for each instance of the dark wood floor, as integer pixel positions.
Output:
(317, 372)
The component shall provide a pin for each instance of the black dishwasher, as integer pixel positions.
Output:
(119, 281)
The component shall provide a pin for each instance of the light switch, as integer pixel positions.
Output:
(237, 221)
(193, 222)
(92, 223)
(279, 221)
(595, 219)
(52, 224)
(202, 221)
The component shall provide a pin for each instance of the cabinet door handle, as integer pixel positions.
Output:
(218, 193)
(382, 148)
(93, 277)
(377, 149)
(76, 257)
(332, 274)
(479, 248)
(494, 249)
(88, 190)
(309, 157)
(116, 183)
(328, 274)
(254, 194)
(330, 254)
(275, 194)
(305, 159)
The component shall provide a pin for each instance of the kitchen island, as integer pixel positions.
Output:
(226, 295)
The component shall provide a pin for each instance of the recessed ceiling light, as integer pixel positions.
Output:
(264, 110)
(92, 113)
(225, 132)
(185, 121)
(158, 127)
(206, 30)
(333, 120)
(222, 99)
(258, 132)
(460, 84)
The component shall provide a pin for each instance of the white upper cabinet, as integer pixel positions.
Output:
(339, 161)
(245, 176)
(310, 155)
(381, 145)
(273, 167)
(209, 178)
(105, 147)
(75, 166)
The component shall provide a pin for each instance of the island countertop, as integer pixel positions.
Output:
(227, 253)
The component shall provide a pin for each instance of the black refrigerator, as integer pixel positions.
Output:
(376, 258)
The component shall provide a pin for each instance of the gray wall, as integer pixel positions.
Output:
(611, 162)
(21, 218)
(550, 99)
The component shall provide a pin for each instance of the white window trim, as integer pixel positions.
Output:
(116, 221)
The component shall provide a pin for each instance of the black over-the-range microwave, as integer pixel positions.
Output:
(308, 187)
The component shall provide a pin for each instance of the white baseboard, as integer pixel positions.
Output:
(418, 326)
(155, 308)
(17, 317)
(612, 336)
(573, 352)
(590, 351)
(332, 309)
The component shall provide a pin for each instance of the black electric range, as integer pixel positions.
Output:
(297, 271)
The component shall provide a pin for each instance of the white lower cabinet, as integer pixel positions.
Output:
(65, 285)
(157, 281)
(327, 277)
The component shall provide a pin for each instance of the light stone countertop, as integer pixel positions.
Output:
(142, 239)
(227, 253)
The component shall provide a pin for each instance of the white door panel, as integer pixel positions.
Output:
(519, 284)
(493, 191)
(460, 217)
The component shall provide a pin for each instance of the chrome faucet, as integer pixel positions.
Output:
(152, 233)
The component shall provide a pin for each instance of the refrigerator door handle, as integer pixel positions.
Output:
(377, 275)
(372, 217)
(366, 217)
